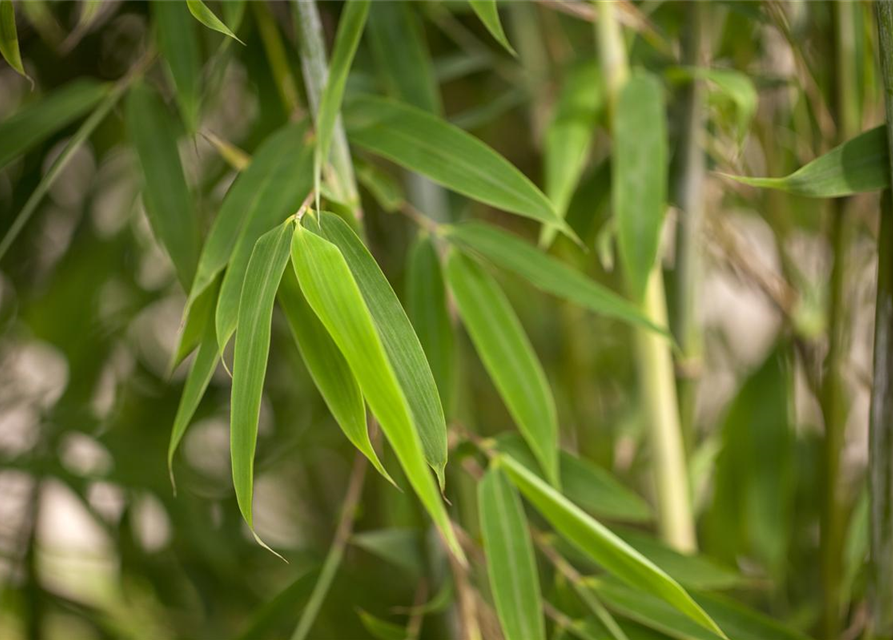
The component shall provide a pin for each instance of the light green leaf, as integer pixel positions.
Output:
(508, 356)
(426, 144)
(399, 547)
(203, 14)
(639, 176)
(9, 38)
(332, 292)
(401, 343)
(488, 13)
(569, 137)
(509, 252)
(176, 34)
(37, 121)
(350, 29)
(382, 629)
(328, 368)
(584, 483)
(167, 199)
(273, 187)
(856, 166)
(426, 305)
(511, 563)
(602, 546)
(262, 277)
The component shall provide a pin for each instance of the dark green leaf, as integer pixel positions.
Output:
(488, 13)
(175, 33)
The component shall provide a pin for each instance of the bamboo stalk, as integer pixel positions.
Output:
(880, 438)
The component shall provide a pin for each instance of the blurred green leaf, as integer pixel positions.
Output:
(508, 356)
(488, 13)
(203, 14)
(9, 38)
(386, 191)
(400, 547)
(381, 629)
(511, 564)
(177, 42)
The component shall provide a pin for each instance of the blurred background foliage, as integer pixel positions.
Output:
(93, 542)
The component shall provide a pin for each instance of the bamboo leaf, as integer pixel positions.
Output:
(9, 39)
(509, 252)
(386, 191)
(262, 277)
(350, 29)
(165, 194)
(271, 189)
(856, 166)
(399, 547)
(203, 14)
(37, 121)
(332, 292)
(602, 546)
(176, 35)
(426, 305)
(511, 563)
(488, 13)
(329, 369)
(508, 356)
(401, 343)
(421, 142)
(639, 176)
(382, 629)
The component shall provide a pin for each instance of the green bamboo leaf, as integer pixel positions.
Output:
(426, 144)
(9, 39)
(234, 13)
(856, 166)
(585, 484)
(386, 191)
(332, 292)
(488, 13)
(350, 29)
(508, 356)
(602, 546)
(511, 563)
(178, 44)
(37, 121)
(273, 187)
(400, 340)
(168, 203)
(194, 322)
(734, 86)
(399, 547)
(382, 629)
(426, 305)
(569, 137)
(509, 252)
(329, 369)
(268, 261)
(203, 14)
(639, 176)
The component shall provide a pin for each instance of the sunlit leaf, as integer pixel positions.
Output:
(35, 122)
(488, 13)
(602, 546)
(203, 14)
(511, 563)
(165, 194)
(9, 38)
(332, 292)
(508, 356)
(328, 368)
(426, 144)
(856, 166)
(509, 252)
(265, 267)
(176, 35)
(401, 343)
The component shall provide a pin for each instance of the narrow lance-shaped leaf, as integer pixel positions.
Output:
(328, 368)
(426, 144)
(350, 29)
(262, 277)
(488, 13)
(509, 252)
(426, 305)
(37, 121)
(176, 35)
(401, 343)
(203, 14)
(332, 292)
(602, 546)
(508, 356)
(639, 177)
(856, 166)
(511, 563)
(165, 194)
(9, 38)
